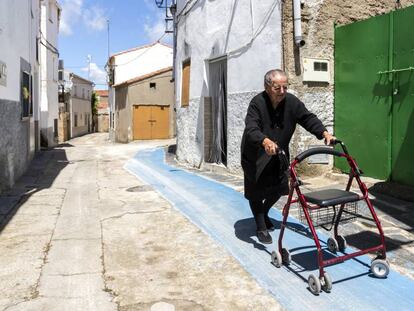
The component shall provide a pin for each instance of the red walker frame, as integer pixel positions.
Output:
(379, 266)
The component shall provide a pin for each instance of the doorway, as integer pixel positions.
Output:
(215, 114)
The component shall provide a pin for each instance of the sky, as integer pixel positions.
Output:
(83, 35)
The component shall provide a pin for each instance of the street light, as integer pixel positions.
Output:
(173, 9)
(159, 3)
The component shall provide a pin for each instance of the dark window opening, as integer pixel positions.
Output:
(153, 85)
(26, 95)
(320, 66)
(55, 127)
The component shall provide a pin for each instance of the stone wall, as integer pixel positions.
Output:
(318, 19)
(14, 143)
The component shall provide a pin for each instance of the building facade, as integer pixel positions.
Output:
(144, 107)
(19, 87)
(216, 78)
(49, 57)
(102, 118)
(318, 21)
(131, 64)
(80, 106)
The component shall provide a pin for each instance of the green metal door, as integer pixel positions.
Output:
(402, 169)
(374, 94)
(362, 99)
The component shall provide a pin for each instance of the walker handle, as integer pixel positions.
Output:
(337, 141)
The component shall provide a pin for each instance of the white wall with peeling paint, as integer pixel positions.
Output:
(249, 34)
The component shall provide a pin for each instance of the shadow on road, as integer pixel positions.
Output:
(40, 175)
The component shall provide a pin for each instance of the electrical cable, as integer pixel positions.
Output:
(258, 31)
(53, 48)
(138, 56)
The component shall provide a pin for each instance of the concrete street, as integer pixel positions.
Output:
(78, 232)
(96, 226)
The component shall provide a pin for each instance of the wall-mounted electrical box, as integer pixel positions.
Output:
(316, 70)
(3, 74)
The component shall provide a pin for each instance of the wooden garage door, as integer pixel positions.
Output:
(151, 122)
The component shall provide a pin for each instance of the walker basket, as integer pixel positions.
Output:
(326, 216)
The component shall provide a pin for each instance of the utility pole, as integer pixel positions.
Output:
(89, 59)
(107, 28)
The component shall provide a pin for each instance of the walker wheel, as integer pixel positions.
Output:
(380, 268)
(332, 245)
(326, 282)
(276, 259)
(314, 284)
(286, 256)
(342, 245)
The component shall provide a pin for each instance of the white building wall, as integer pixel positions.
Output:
(80, 94)
(132, 64)
(19, 28)
(15, 42)
(49, 70)
(135, 63)
(249, 34)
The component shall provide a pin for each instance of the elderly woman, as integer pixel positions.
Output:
(270, 123)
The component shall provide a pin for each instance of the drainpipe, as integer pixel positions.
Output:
(297, 23)
(173, 10)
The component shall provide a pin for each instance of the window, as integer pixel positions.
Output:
(55, 127)
(185, 84)
(26, 95)
(83, 93)
(153, 85)
(76, 120)
(55, 69)
(37, 49)
(320, 66)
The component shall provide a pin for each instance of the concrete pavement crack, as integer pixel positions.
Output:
(133, 213)
(15, 304)
(106, 287)
(35, 288)
(75, 274)
(77, 239)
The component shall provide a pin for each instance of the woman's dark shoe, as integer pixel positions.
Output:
(264, 237)
(269, 224)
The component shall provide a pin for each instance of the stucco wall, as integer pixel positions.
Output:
(14, 143)
(103, 121)
(81, 107)
(249, 34)
(49, 107)
(141, 61)
(140, 93)
(318, 18)
(19, 26)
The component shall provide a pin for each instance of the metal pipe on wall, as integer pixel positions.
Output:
(297, 23)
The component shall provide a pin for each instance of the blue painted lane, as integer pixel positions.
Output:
(224, 214)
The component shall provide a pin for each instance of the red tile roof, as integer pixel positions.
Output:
(102, 93)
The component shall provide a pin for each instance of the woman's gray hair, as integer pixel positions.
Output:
(273, 73)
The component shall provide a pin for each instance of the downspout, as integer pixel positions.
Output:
(299, 42)
(173, 10)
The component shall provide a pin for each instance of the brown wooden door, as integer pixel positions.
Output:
(142, 126)
(160, 122)
(151, 122)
